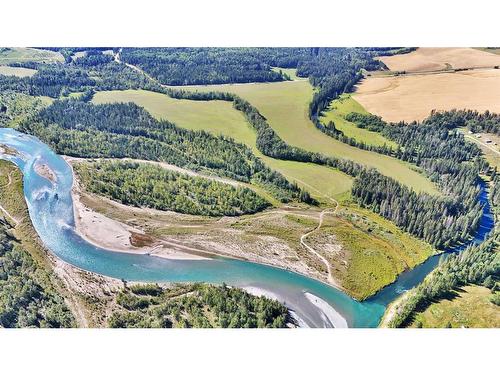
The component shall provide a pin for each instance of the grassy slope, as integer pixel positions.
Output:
(285, 105)
(219, 117)
(471, 307)
(14, 55)
(341, 107)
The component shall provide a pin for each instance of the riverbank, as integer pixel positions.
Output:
(104, 232)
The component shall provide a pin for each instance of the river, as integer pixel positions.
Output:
(51, 211)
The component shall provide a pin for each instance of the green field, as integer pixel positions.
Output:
(471, 307)
(341, 107)
(285, 106)
(18, 55)
(219, 117)
(15, 71)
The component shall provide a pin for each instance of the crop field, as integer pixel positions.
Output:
(431, 59)
(218, 117)
(15, 71)
(16, 55)
(470, 307)
(408, 98)
(285, 105)
(341, 107)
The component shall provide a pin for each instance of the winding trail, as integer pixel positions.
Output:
(311, 250)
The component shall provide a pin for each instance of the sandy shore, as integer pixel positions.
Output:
(330, 315)
(304, 307)
(110, 234)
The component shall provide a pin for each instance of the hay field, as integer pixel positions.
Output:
(218, 117)
(18, 54)
(15, 71)
(431, 59)
(285, 106)
(409, 98)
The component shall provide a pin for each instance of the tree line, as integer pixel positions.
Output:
(146, 185)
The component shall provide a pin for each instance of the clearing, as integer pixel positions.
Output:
(365, 251)
(341, 107)
(488, 143)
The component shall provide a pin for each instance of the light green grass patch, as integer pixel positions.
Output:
(16, 71)
(18, 55)
(285, 106)
(341, 107)
(219, 117)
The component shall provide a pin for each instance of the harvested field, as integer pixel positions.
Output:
(408, 98)
(431, 59)
(19, 55)
(15, 71)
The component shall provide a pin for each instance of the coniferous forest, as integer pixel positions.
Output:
(145, 185)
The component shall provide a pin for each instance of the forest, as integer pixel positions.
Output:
(449, 160)
(198, 66)
(77, 128)
(146, 185)
(197, 306)
(26, 297)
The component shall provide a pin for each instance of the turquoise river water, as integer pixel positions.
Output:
(51, 211)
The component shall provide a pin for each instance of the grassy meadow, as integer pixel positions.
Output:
(18, 55)
(341, 107)
(469, 307)
(285, 106)
(219, 117)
